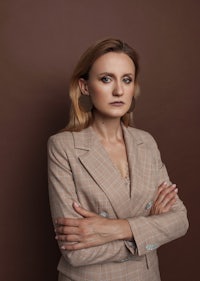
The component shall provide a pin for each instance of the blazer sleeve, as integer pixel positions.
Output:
(153, 231)
(62, 194)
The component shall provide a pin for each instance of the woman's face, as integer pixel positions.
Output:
(111, 84)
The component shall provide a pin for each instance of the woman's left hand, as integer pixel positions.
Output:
(90, 230)
(165, 199)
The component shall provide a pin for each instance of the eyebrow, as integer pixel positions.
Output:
(113, 75)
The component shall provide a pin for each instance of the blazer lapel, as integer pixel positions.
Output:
(139, 158)
(99, 166)
(132, 147)
(96, 161)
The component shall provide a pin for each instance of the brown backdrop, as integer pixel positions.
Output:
(40, 44)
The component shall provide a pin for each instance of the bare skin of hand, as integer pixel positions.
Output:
(165, 199)
(90, 230)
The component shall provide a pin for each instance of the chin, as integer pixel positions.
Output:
(119, 116)
(112, 113)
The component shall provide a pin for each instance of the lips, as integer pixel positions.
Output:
(117, 103)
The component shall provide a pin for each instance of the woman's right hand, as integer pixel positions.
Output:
(165, 199)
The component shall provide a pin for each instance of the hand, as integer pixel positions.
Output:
(90, 230)
(165, 199)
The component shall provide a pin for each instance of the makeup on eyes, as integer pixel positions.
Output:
(107, 77)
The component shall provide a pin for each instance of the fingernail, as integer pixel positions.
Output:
(56, 237)
(165, 183)
(62, 247)
(76, 204)
(173, 185)
(176, 190)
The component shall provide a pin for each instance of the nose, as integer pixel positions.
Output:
(118, 89)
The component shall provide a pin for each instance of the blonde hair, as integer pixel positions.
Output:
(79, 119)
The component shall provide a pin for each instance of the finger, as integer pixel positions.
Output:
(68, 238)
(64, 230)
(168, 206)
(161, 188)
(163, 185)
(164, 193)
(67, 222)
(83, 212)
(170, 197)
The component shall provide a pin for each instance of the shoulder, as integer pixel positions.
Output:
(61, 137)
(146, 142)
(60, 140)
(71, 140)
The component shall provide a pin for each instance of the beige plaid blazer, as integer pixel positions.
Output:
(80, 170)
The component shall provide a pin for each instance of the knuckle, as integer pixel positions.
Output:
(65, 221)
(62, 238)
(66, 238)
(75, 246)
(58, 230)
(83, 232)
(164, 192)
(65, 231)
(169, 196)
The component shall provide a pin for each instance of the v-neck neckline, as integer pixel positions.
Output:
(125, 178)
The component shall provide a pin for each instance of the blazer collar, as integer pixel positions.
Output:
(86, 138)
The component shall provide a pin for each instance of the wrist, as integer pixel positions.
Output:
(124, 231)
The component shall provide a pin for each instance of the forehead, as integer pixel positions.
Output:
(113, 62)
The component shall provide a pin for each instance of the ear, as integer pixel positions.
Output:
(136, 90)
(83, 85)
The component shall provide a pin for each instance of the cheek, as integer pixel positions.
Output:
(98, 93)
(95, 96)
(130, 94)
(93, 90)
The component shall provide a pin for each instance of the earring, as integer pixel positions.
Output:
(132, 106)
(85, 103)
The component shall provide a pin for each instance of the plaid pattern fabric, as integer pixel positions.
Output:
(80, 170)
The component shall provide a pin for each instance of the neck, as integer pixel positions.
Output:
(108, 129)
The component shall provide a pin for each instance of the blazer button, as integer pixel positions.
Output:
(104, 214)
(151, 247)
(127, 259)
(149, 205)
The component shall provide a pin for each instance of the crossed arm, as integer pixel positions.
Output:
(94, 230)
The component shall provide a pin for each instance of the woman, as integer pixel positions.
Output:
(111, 199)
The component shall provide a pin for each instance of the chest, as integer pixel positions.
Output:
(100, 187)
(118, 156)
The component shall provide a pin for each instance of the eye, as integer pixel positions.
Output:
(127, 80)
(106, 79)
